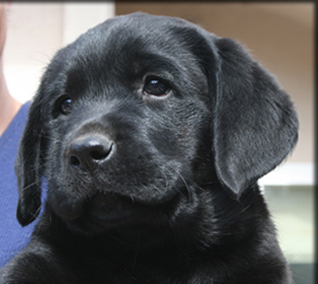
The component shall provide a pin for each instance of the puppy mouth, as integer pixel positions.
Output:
(107, 210)
(102, 205)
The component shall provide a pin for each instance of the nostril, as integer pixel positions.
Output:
(74, 161)
(101, 152)
(97, 155)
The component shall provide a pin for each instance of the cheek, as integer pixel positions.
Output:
(165, 141)
(177, 131)
(53, 163)
(57, 143)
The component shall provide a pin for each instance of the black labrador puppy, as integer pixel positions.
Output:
(151, 134)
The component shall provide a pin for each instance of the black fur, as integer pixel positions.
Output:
(152, 167)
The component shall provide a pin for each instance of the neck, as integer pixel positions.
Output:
(8, 105)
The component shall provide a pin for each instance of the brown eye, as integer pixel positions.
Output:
(156, 87)
(66, 106)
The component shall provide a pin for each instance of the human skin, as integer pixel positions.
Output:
(8, 105)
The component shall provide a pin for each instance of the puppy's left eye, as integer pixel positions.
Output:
(156, 87)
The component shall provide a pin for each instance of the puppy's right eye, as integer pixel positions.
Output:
(66, 106)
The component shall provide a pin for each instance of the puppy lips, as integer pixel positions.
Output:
(102, 202)
(108, 210)
(105, 209)
(106, 205)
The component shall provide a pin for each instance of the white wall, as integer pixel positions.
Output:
(36, 31)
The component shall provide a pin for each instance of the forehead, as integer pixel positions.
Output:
(132, 46)
(137, 38)
(151, 31)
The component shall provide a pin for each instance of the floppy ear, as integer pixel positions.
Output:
(255, 125)
(29, 166)
(30, 160)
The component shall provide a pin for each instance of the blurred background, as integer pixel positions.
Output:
(279, 35)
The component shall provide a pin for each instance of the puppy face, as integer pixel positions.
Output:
(136, 116)
(126, 125)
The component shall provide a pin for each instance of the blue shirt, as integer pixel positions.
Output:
(13, 237)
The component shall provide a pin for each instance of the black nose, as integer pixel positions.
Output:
(87, 151)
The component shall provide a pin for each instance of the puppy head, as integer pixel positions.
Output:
(138, 112)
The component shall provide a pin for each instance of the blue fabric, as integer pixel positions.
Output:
(13, 237)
